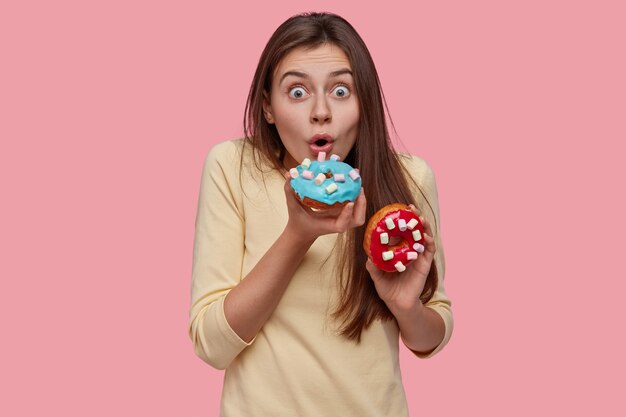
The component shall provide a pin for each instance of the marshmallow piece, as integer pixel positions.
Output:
(321, 157)
(293, 173)
(306, 163)
(307, 174)
(384, 238)
(354, 174)
(402, 225)
(411, 256)
(389, 223)
(334, 157)
(417, 235)
(400, 266)
(331, 188)
(320, 178)
(411, 224)
(339, 178)
(387, 255)
(419, 247)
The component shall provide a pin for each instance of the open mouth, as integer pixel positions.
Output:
(321, 143)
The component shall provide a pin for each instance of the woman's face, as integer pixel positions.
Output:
(313, 103)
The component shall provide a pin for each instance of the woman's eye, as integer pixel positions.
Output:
(297, 92)
(341, 91)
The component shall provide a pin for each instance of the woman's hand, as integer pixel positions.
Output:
(401, 290)
(308, 224)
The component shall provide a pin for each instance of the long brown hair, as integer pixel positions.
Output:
(359, 304)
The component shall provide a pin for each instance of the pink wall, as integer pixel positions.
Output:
(107, 110)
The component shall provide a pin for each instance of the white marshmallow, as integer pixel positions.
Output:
(417, 235)
(402, 225)
(321, 157)
(331, 188)
(419, 247)
(387, 255)
(389, 223)
(384, 238)
(411, 224)
(411, 256)
(400, 266)
(293, 173)
(354, 174)
(306, 163)
(320, 178)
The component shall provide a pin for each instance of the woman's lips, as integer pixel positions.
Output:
(326, 147)
(321, 142)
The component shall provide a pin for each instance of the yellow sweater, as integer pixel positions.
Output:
(298, 364)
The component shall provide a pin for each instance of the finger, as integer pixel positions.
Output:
(344, 217)
(293, 202)
(421, 266)
(429, 246)
(429, 243)
(359, 209)
(427, 228)
(372, 269)
(287, 184)
(288, 190)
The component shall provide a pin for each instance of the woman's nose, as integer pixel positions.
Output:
(321, 111)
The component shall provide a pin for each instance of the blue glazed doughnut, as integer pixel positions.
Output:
(324, 183)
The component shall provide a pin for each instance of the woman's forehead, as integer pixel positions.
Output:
(326, 58)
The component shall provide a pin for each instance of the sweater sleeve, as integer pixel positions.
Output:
(428, 203)
(217, 257)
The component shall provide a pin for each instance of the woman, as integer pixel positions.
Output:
(284, 298)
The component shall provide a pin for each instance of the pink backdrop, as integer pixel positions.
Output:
(109, 107)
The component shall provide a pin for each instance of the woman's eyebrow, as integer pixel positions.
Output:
(307, 77)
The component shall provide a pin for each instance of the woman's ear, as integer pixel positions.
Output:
(267, 108)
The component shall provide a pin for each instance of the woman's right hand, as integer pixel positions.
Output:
(308, 225)
(250, 303)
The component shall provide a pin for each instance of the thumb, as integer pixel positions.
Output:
(372, 269)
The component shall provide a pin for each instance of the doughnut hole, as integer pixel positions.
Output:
(396, 243)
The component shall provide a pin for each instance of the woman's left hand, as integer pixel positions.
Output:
(401, 290)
